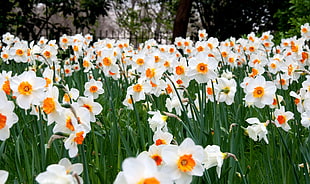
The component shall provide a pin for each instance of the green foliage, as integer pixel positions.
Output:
(290, 18)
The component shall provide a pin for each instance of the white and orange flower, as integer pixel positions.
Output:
(28, 89)
(183, 161)
(282, 117)
(7, 116)
(93, 88)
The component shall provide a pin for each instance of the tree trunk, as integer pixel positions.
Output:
(182, 19)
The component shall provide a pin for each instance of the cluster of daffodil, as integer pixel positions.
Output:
(166, 162)
(153, 70)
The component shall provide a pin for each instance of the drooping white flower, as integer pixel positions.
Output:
(214, 157)
(257, 131)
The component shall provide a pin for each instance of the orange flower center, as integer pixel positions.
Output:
(64, 40)
(282, 82)
(210, 46)
(202, 68)
(186, 163)
(224, 54)
(179, 70)
(160, 142)
(93, 89)
(231, 60)
(86, 64)
(75, 48)
(294, 48)
(140, 61)
(151, 180)
(69, 124)
(304, 30)
(6, 87)
(157, 159)
(109, 45)
(167, 64)
(79, 137)
(137, 88)
(256, 61)
(150, 72)
(19, 52)
(258, 92)
(129, 101)
(5, 56)
(209, 91)
(48, 81)
(169, 89)
(251, 49)
(290, 69)
(89, 107)
(107, 61)
(2, 121)
(275, 101)
(157, 59)
(47, 54)
(200, 49)
(297, 101)
(273, 65)
(49, 105)
(25, 88)
(281, 119)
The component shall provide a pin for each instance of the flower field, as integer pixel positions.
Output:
(78, 110)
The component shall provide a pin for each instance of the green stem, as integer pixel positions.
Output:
(85, 164)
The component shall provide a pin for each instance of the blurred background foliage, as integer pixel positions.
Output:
(31, 19)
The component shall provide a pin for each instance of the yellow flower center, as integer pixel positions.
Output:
(2, 121)
(226, 90)
(25, 88)
(186, 163)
